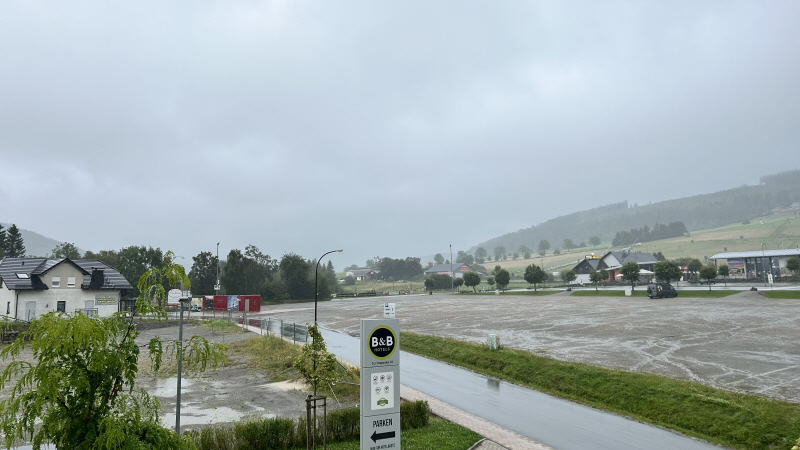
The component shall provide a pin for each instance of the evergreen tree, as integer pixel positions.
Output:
(2, 242)
(14, 246)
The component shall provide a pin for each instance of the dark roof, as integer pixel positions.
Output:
(112, 279)
(32, 268)
(592, 263)
(444, 268)
(18, 273)
(637, 257)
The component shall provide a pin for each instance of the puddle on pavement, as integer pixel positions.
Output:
(168, 387)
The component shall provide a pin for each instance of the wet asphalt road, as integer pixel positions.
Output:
(557, 423)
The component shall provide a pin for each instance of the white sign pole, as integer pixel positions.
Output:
(380, 384)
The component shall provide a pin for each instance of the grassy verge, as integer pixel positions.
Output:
(793, 295)
(538, 293)
(643, 293)
(722, 417)
(439, 434)
(275, 357)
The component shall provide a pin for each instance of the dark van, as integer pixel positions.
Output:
(659, 290)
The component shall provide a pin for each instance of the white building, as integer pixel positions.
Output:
(30, 287)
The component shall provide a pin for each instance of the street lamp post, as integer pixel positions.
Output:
(452, 275)
(316, 277)
(216, 286)
(182, 304)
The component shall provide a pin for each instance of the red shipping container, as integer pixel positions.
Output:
(237, 302)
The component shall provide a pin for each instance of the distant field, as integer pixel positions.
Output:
(775, 231)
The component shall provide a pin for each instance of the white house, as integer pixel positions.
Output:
(30, 287)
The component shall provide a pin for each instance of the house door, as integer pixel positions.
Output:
(30, 311)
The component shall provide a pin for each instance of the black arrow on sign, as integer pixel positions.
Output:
(378, 436)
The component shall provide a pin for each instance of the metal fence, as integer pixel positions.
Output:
(291, 331)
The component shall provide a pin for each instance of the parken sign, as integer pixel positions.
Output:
(380, 385)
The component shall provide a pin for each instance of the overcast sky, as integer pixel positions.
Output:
(387, 129)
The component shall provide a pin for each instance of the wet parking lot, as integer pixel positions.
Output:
(744, 342)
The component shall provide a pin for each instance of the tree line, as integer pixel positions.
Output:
(250, 272)
(646, 234)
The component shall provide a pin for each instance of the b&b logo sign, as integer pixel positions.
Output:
(382, 342)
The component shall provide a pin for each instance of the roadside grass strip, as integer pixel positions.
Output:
(438, 434)
(790, 295)
(642, 292)
(539, 293)
(718, 416)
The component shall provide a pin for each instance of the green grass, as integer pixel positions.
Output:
(793, 295)
(718, 416)
(642, 292)
(270, 355)
(438, 435)
(538, 293)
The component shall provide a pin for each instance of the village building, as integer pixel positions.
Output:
(31, 287)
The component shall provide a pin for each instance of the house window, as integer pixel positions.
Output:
(23, 276)
(70, 281)
(61, 306)
(56, 282)
(8, 308)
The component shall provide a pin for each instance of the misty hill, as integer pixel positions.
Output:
(35, 243)
(697, 212)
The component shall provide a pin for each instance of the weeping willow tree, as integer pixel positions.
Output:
(79, 391)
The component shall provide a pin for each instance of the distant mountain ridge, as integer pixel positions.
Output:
(35, 243)
(696, 212)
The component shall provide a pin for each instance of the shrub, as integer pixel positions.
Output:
(414, 414)
(343, 424)
(281, 433)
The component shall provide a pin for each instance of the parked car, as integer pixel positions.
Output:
(659, 290)
(704, 281)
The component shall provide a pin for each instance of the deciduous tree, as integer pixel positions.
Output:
(595, 277)
(480, 255)
(502, 278)
(667, 271)
(544, 246)
(708, 273)
(568, 276)
(630, 273)
(204, 273)
(315, 363)
(724, 271)
(793, 263)
(594, 241)
(472, 279)
(65, 250)
(535, 275)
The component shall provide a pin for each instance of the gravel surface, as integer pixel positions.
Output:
(744, 342)
(229, 394)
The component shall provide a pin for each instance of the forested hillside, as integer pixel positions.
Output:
(696, 212)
